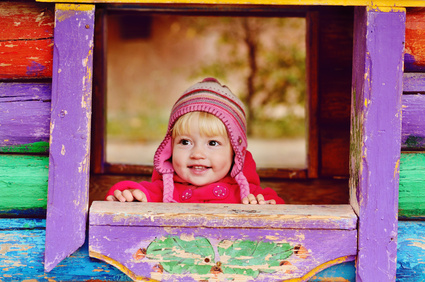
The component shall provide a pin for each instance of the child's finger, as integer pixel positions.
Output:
(128, 195)
(139, 195)
(260, 199)
(118, 195)
(111, 198)
(252, 199)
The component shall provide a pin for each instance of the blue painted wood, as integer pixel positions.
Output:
(411, 251)
(69, 162)
(24, 113)
(344, 272)
(22, 251)
(375, 138)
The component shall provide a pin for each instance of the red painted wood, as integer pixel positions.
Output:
(26, 40)
(415, 40)
(70, 132)
(375, 138)
(26, 59)
(26, 20)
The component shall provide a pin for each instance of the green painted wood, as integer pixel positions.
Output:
(24, 181)
(33, 148)
(412, 185)
(22, 245)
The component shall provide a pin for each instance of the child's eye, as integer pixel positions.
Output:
(184, 142)
(213, 143)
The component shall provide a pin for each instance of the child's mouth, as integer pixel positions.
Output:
(199, 168)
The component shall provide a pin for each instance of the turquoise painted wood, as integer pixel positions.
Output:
(412, 185)
(23, 185)
(22, 251)
(411, 251)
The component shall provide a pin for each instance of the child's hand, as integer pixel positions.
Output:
(129, 195)
(251, 199)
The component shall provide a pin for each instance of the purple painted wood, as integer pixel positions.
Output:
(375, 138)
(123, 247)
(24, 113)
(413, 126)
(414, 82)
(67, 202)
(223, 216)
(120, 232)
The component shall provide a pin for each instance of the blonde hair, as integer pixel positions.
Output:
(209, 125)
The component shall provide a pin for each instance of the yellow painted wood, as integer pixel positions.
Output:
(373, 3)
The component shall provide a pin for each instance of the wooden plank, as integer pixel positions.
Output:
(26, 59)
(24, 181)
(413, 82)
(412, 185)
(223, 216)
(335, 64)
(22, 250)
(343, 272)
(410, 251)
(220, 253)
(28, 20)
(388, 4)
(26, 40)
(413, 123)
(69, 162)
(24, 114)
(375, 138)
(414, 58)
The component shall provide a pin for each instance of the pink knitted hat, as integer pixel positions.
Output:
(211, 97)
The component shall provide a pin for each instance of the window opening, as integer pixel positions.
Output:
(153, 58)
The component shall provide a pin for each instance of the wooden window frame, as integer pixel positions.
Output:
(99, 164)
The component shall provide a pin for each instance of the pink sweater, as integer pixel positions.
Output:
(224, 191)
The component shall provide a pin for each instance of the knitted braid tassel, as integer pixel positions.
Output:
(168, 180)
(243, 184)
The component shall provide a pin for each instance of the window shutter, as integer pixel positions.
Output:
(69, 162)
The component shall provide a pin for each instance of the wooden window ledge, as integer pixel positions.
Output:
(164, 241)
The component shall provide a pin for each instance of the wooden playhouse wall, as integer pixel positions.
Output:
(26, 55)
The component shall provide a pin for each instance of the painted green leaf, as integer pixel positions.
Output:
(252, 257)
(177, 256)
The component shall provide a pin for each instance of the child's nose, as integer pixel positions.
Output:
(197, 153)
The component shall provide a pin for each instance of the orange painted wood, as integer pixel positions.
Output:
(26, 40)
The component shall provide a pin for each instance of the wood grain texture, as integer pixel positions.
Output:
(20, 20)
(375, 138)
(223, 216)
(26, 40)
(69, 161)
(22, 250)
(410, 251)
(24, 185)
(383, 4)
(412, 185)
(121, 246)
(414, 58)
(24, 113)
(335, 63)
(413, 123)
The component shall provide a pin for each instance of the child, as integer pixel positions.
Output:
(203, 157)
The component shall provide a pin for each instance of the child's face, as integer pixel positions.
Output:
(199, 159)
